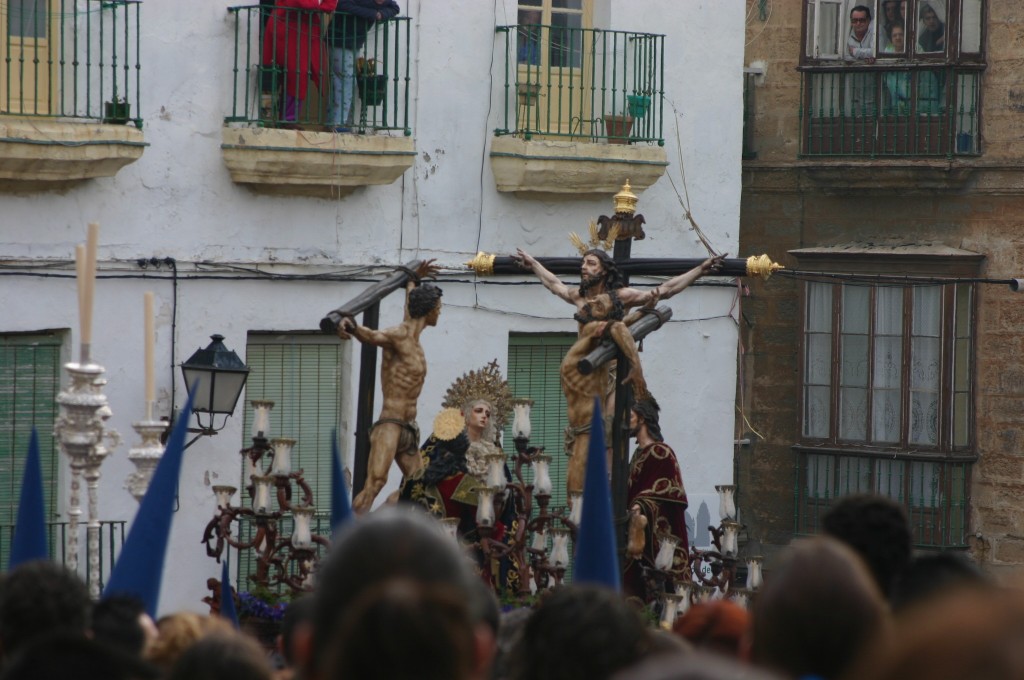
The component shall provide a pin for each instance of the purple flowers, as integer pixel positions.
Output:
(252, 606)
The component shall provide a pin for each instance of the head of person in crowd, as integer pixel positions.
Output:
(222, 654)
(694, 665)
(510, 630)
(390, 544)
(817, 612)
(296, 624)
(877, 529)
(931, 575)
(65, 654)
(38, 598)
(860, 21)
(720, 626)
(960, 633)
(401, 629)
(121, 621)
(580, 632)
(179, 631)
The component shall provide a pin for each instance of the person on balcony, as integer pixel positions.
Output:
(291, 47)
(860, 45)
(345, 36)
(893, 16)
(897, 84)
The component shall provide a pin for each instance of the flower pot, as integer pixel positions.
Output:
(618, 128)
(528, 93)
(372, 89)
(638, 105)
(116, 112)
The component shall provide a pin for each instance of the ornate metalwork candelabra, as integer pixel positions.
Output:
(84, 440)
(281, 560)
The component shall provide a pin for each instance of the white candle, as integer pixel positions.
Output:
(147, 299)
(92, 238)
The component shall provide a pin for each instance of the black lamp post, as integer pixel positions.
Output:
(214, 378)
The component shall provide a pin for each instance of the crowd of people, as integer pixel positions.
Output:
(396, 598)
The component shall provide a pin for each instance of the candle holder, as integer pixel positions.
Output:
(276, 492)
(145, 456)
(83, 438)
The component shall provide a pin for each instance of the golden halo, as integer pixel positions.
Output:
(485, 383)
(448, 424)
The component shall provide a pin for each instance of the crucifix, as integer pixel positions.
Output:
(580, 370)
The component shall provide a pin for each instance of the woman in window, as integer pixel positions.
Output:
(931, 31)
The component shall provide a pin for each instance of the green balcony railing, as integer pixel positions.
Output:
(111, 538)
(71, 59)
(583, 84)
(934, 490)
(289, 70)
(906, 110)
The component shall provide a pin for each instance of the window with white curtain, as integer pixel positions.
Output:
(901, 375)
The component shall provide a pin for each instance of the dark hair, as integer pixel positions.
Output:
(298, 613)
(72, 655)
(423, 299)
(389, 544)
(39, 598)
(432, 621)
(613, 279)
(930, 576)
(877, 528)
(579, 632)
(222, 655)
(818, 611)
(115, 622)
(648, 409)
(861, 8)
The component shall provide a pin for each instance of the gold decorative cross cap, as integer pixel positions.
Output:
(625, 200)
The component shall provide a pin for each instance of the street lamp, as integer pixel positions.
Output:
(214, 378)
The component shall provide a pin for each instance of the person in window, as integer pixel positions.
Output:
(893, 11)
(897, 84)
(345, 36)
(291, 46)
(860, 45)
(931, 32)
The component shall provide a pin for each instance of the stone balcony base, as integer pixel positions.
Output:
(548, 169)
(51, 153)
(306, 163)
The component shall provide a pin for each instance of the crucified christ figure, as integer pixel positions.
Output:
(403, 367)
(601, 301)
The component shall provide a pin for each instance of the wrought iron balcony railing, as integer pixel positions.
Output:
(112, 535)
(583, 84)
(935, 490)
(289, 65)
(71, 59)
(904, 110)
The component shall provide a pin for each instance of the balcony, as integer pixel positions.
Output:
(280, 137)
(69, 93)
(582, 108)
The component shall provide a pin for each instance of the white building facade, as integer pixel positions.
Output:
(260, 262)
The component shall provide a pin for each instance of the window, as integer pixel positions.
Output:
(534, 361)
(30, 379)
(892, 77)
(886, 401)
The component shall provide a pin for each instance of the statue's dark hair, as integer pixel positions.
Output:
(648, 409)
(422, 299)
(613, 278)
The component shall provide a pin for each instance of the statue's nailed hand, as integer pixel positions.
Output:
(635, 540)
(524, 259)
(427, 269)
(346, 328)
(712, 264)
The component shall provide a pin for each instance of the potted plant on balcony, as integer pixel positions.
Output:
(373, 87)
(528, 93)
(638, 103)
(117, 111)
(618, 127)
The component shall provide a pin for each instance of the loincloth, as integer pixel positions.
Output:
(408, 440)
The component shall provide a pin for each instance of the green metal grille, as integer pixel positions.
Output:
(935, 492)
(72, 59)
(910, 110)
(584, 84)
